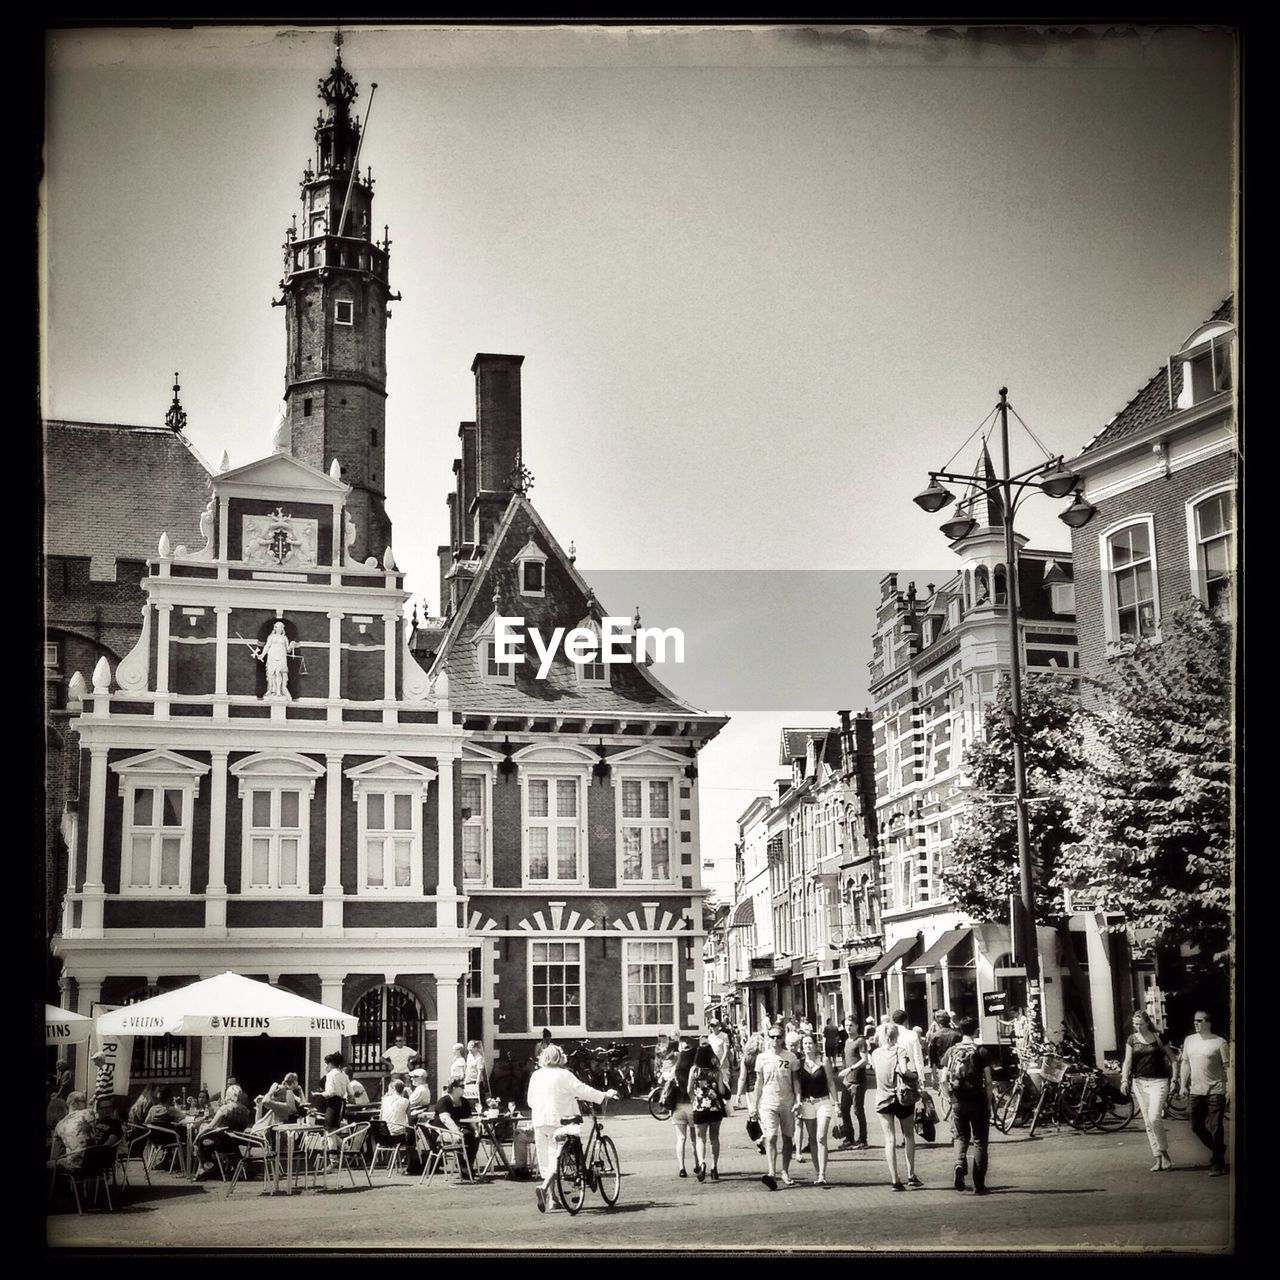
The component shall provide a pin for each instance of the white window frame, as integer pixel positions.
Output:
(51, 655)
(484, 641)
(581, 668)
(1199, 585)
(663, 1024)
(1110, 611)
(158, 771)
(568, 1028)
(531, 553)
(553, 764)
(338, 304)
(276, 772)
(389, 776)
(485, 772)
(647, 764)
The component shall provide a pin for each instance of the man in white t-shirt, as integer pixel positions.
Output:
(1205, 1061)
(775, 1103)
(400, 1056)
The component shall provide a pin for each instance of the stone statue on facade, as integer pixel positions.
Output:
(276, 651)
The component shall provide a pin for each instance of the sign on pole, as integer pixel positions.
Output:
(112, 1074)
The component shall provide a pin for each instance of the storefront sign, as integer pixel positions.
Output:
(995, 1004)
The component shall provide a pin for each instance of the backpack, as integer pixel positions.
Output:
(964, 1070)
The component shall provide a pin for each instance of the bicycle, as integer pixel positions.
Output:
(1097, 1102)
(592, 1165)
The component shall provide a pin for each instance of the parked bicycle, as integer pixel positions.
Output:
(591, 1165)
(1094, 1098)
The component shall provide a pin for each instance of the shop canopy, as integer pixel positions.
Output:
(945, 945)
(744, 914)
(61, 1026)
(902, 950)
(228, 1005)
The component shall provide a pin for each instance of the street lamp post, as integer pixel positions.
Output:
(1053, 479)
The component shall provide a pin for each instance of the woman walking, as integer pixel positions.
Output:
(336, 1089)
(1148, 1067)
(818, 1101)
(681, 1104)
(706, 1096)
(888, 1062)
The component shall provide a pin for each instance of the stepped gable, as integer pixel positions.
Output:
(632, 688)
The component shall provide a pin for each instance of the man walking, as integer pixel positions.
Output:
(1204, 1076)
(943, 1037)
(853, 1088)
(966, 1075)
(775, 1103)
(909, 1039)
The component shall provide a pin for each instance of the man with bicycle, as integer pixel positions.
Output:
(966, 1074)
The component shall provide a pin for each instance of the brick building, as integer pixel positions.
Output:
(1163, 475)
(95, 556)
(579, 791)
(937, 661)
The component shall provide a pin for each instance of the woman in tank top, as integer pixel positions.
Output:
(1148, 1068)
(818, 1101)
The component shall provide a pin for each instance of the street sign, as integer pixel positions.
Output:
(995, 1003)
(1082, 901)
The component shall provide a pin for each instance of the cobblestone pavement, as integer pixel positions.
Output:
(1058, 1190)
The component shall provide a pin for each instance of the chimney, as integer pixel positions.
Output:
(497, 435)
(467, 483)
(445, 555)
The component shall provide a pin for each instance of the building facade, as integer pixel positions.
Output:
(1163, 475)
(937, 661)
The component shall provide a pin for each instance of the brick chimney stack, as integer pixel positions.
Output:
(497, 435)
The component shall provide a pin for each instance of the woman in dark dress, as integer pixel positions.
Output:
(707, 1100)
(1148, 1068)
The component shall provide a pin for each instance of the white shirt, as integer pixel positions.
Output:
(554, 1093)
(399, 1056)
(910, 1044)
(336, 1084)
(421, 1095)
(395, 1111)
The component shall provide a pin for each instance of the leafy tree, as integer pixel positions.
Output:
(1151, 801)
(983, 870)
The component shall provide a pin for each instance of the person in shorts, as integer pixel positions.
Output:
(775, 1103)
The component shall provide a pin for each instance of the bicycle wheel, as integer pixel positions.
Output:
(1040, 1107)
(1115, 1111)
(1176, 1108)
(656, 1108)
(1007, 1108)
(571, 1184)
(608, 1171)
(1078, 1102)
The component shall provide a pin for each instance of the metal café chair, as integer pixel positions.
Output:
(444, 1148)
(133, 1146)
(93, 1168)
(255, 1149)
(393, 1145)
(351, 1151)
(166, 1144)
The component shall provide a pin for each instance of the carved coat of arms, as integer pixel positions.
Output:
(279, 539)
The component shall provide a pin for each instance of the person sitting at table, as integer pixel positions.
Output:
(276, 1106)
(75, 1131)
(357, 1094)
(420, 1092)
(142, 1104)
(233, 1116)
(451, 1110)
(164, 1109)
(394, 1111)
(294, 1086)
(106, 1121)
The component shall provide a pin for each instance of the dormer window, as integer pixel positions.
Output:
(591, 669)
(1206, 367)
(487, 663)
(531, 566)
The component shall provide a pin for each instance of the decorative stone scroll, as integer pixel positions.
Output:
(132, 673)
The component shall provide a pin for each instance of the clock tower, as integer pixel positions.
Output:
(335, 295)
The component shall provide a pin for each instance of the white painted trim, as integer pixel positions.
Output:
(645, 773)
(188, 785)
(630, 1028)
(389, 788)
(578, 1028)
(1193, 534)
(1110, 620)
(485, 772)
(274, 784)
(553, 772)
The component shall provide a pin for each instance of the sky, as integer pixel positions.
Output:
(763, 278)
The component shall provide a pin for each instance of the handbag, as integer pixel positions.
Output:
(754, 1131)
(926, 1118)
(906, 1090)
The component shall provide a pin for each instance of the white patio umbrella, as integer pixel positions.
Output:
(228, 1005)
(61, 1026)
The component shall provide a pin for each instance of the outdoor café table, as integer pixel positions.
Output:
(288, 1137)
(191, 1126)
(486, 1130)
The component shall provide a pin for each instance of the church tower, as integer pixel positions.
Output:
(335, 299)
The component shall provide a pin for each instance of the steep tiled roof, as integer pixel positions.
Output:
(795, 743)
(631, 690)
(112, 490)
(1153, 402)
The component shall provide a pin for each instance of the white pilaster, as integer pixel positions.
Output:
(445, 886)
(335, 665)
(1101, 986)
(162, 647)
(94, 889)
(331, 995)
(448, 1029)
(389, 621)
(332, 908)
(222, 613)
(215, 899)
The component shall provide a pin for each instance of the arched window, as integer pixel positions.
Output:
(1001, 595)
(968, 589)
(157, 1057)
(982, 586)
(384, 1013)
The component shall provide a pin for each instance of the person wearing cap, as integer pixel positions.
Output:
(775, 1103)
(419, 1092)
